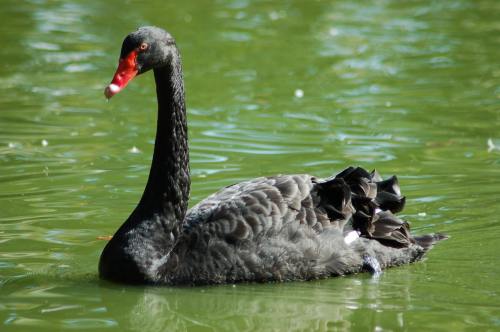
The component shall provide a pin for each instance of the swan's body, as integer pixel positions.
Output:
(288, 227)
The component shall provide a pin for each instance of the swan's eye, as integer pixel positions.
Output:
(143, 47)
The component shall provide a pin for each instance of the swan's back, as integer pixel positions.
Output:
(293, 227)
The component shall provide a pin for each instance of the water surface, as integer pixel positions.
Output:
(410, 88)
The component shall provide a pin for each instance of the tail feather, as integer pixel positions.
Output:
(427, 241)
(374, 204)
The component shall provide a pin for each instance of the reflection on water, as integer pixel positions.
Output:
(252, 309)
(407, 88)
(318, 306)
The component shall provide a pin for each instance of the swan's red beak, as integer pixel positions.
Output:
(126, 71)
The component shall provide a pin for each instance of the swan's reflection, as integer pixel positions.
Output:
(339, 304)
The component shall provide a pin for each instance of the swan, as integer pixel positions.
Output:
(275, 228)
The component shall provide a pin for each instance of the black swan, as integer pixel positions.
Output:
(277, 228)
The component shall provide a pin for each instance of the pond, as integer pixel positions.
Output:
(410, 88)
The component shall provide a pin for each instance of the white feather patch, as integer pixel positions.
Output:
(351, 237)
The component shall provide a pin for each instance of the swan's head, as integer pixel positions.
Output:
(142, 50)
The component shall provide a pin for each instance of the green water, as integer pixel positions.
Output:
(410, 88)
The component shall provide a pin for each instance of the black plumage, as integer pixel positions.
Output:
(287, 227)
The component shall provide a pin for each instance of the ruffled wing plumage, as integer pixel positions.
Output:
(293, 227)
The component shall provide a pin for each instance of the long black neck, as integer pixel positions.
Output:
(143, 243)
(167, 190)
